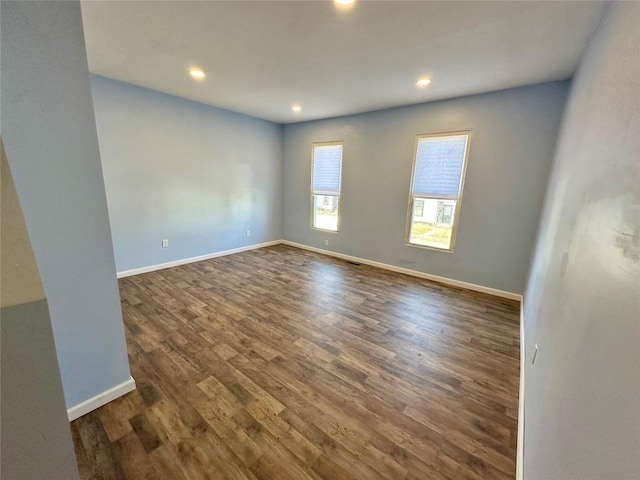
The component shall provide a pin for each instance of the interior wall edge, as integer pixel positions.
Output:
(520, 441)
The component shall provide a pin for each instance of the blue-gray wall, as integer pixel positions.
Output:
(51, 144)
(582, 304)
(174, 169)
(34, 427)
(514, 133)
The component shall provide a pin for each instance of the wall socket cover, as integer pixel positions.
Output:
(165, 243)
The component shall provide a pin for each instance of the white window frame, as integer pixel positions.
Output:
(312, 209)
(457, 198)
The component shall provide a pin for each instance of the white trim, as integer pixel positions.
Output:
(385, 266)
(413, 273)
(456, 198)
(520, 443)
(101, 399)
(314, 192)
(184, 261)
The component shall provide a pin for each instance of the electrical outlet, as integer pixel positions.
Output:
(165, 243)
(326, 243)
(248, 233)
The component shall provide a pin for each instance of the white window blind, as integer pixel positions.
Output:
(439, 162)
(327, 165)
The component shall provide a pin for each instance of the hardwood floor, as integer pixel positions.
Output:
(279, 363)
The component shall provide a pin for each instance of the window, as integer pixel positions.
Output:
(325, 185)
(436, 188)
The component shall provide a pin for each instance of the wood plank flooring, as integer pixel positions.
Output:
(281, 364)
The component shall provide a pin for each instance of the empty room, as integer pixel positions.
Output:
(320, 240)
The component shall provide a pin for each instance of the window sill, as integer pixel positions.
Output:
(324, 230)
(427, 247)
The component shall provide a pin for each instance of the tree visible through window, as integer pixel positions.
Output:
(325, 185)
(436, 188)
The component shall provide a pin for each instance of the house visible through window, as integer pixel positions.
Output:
(325, 185)
(436, 188)
(445, 213)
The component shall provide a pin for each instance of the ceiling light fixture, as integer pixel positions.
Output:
(197, 73)
(345, 2)
(296, 108)
(423, 82)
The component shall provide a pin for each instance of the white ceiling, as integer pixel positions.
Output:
(262, 57)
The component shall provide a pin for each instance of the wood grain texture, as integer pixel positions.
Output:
(280, 363)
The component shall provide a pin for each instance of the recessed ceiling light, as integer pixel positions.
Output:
(296, 108)
(423, 82)
(197, 73)
(345, 2)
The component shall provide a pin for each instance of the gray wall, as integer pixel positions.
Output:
(36, 440)
(35, 436)
(514, 133)
(50, 138)
(582, 304)
(174, 169)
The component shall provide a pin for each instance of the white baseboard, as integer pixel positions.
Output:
(468, 286)
(393, 268)
(407, 271)
(520, 444)
(184, 261)
(101, 399)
